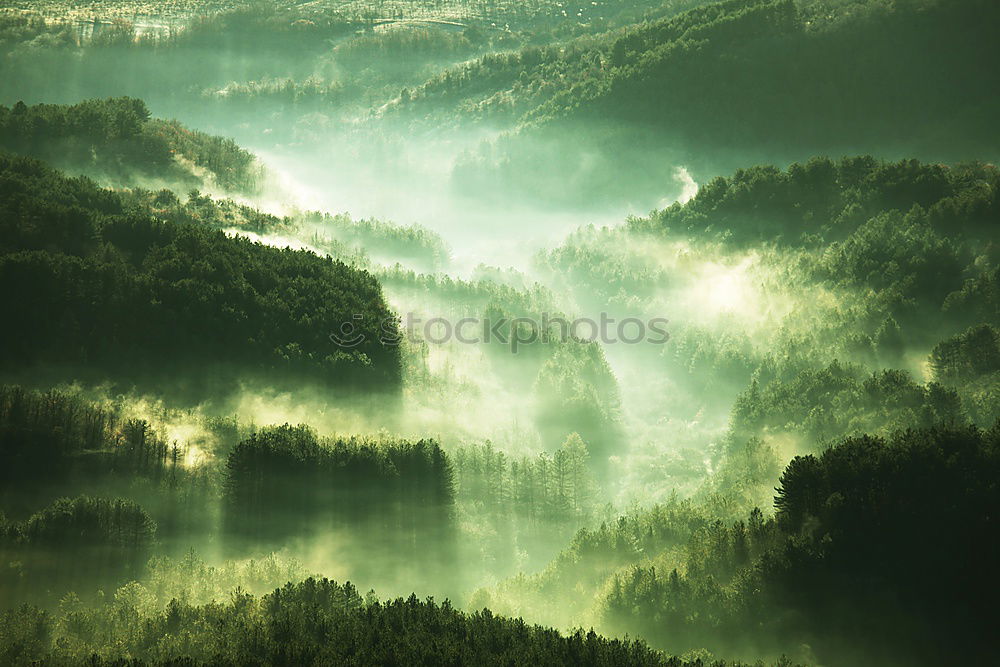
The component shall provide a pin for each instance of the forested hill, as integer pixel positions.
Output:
(919, 237)
(315, 622)
(719, 87)
(117, 140)
(824, 201)
(110, 291)
(866, 561)
(910, 76)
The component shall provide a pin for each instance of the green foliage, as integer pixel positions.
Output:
(84, 522)
(967, 356)
(384, 241)
(540, 492)
(969, 362)
(130, 290)
(721, 85)
(361, 243)
(40, 432)
(598, 263)
(75, 542)
(788, 80)
(200, 209)
(692, 605)
(823, 201)
(190, 579)
(824, 404)
(385, 47)
(838, 567)
(577, 392)
(59, 443)
(565, 591)
(482, 296)
(977, 301)
(883, 545)
(117, 138)
(903, 247)
(393, 497)
(512, 507)
(317, 621)
(865, 522)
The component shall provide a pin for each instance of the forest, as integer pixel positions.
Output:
(467, 332)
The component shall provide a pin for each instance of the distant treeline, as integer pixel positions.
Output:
(908, 247)
(360, 243)
(377, 504)
(284, 56)
(72, 543)
(761, 74)
(383, 240)
(917, 238)
(47, 437)
(392, 498)
(511, 504)
(538, 492)
(719, 86)
(117, 138)
(129, 484)
(830, 402)
(98, 286)
(312, 622)
(823, 201)
(970, 362)
(881, 552)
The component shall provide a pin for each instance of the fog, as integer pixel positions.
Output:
(491, 164)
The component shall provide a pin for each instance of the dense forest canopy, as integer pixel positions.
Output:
(124, 284)
(118, 138)
(652, 332)
(729, 84)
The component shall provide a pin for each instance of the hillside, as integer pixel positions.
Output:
(129, 290)
(501, 332)
(720, 86)
(118, 141)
